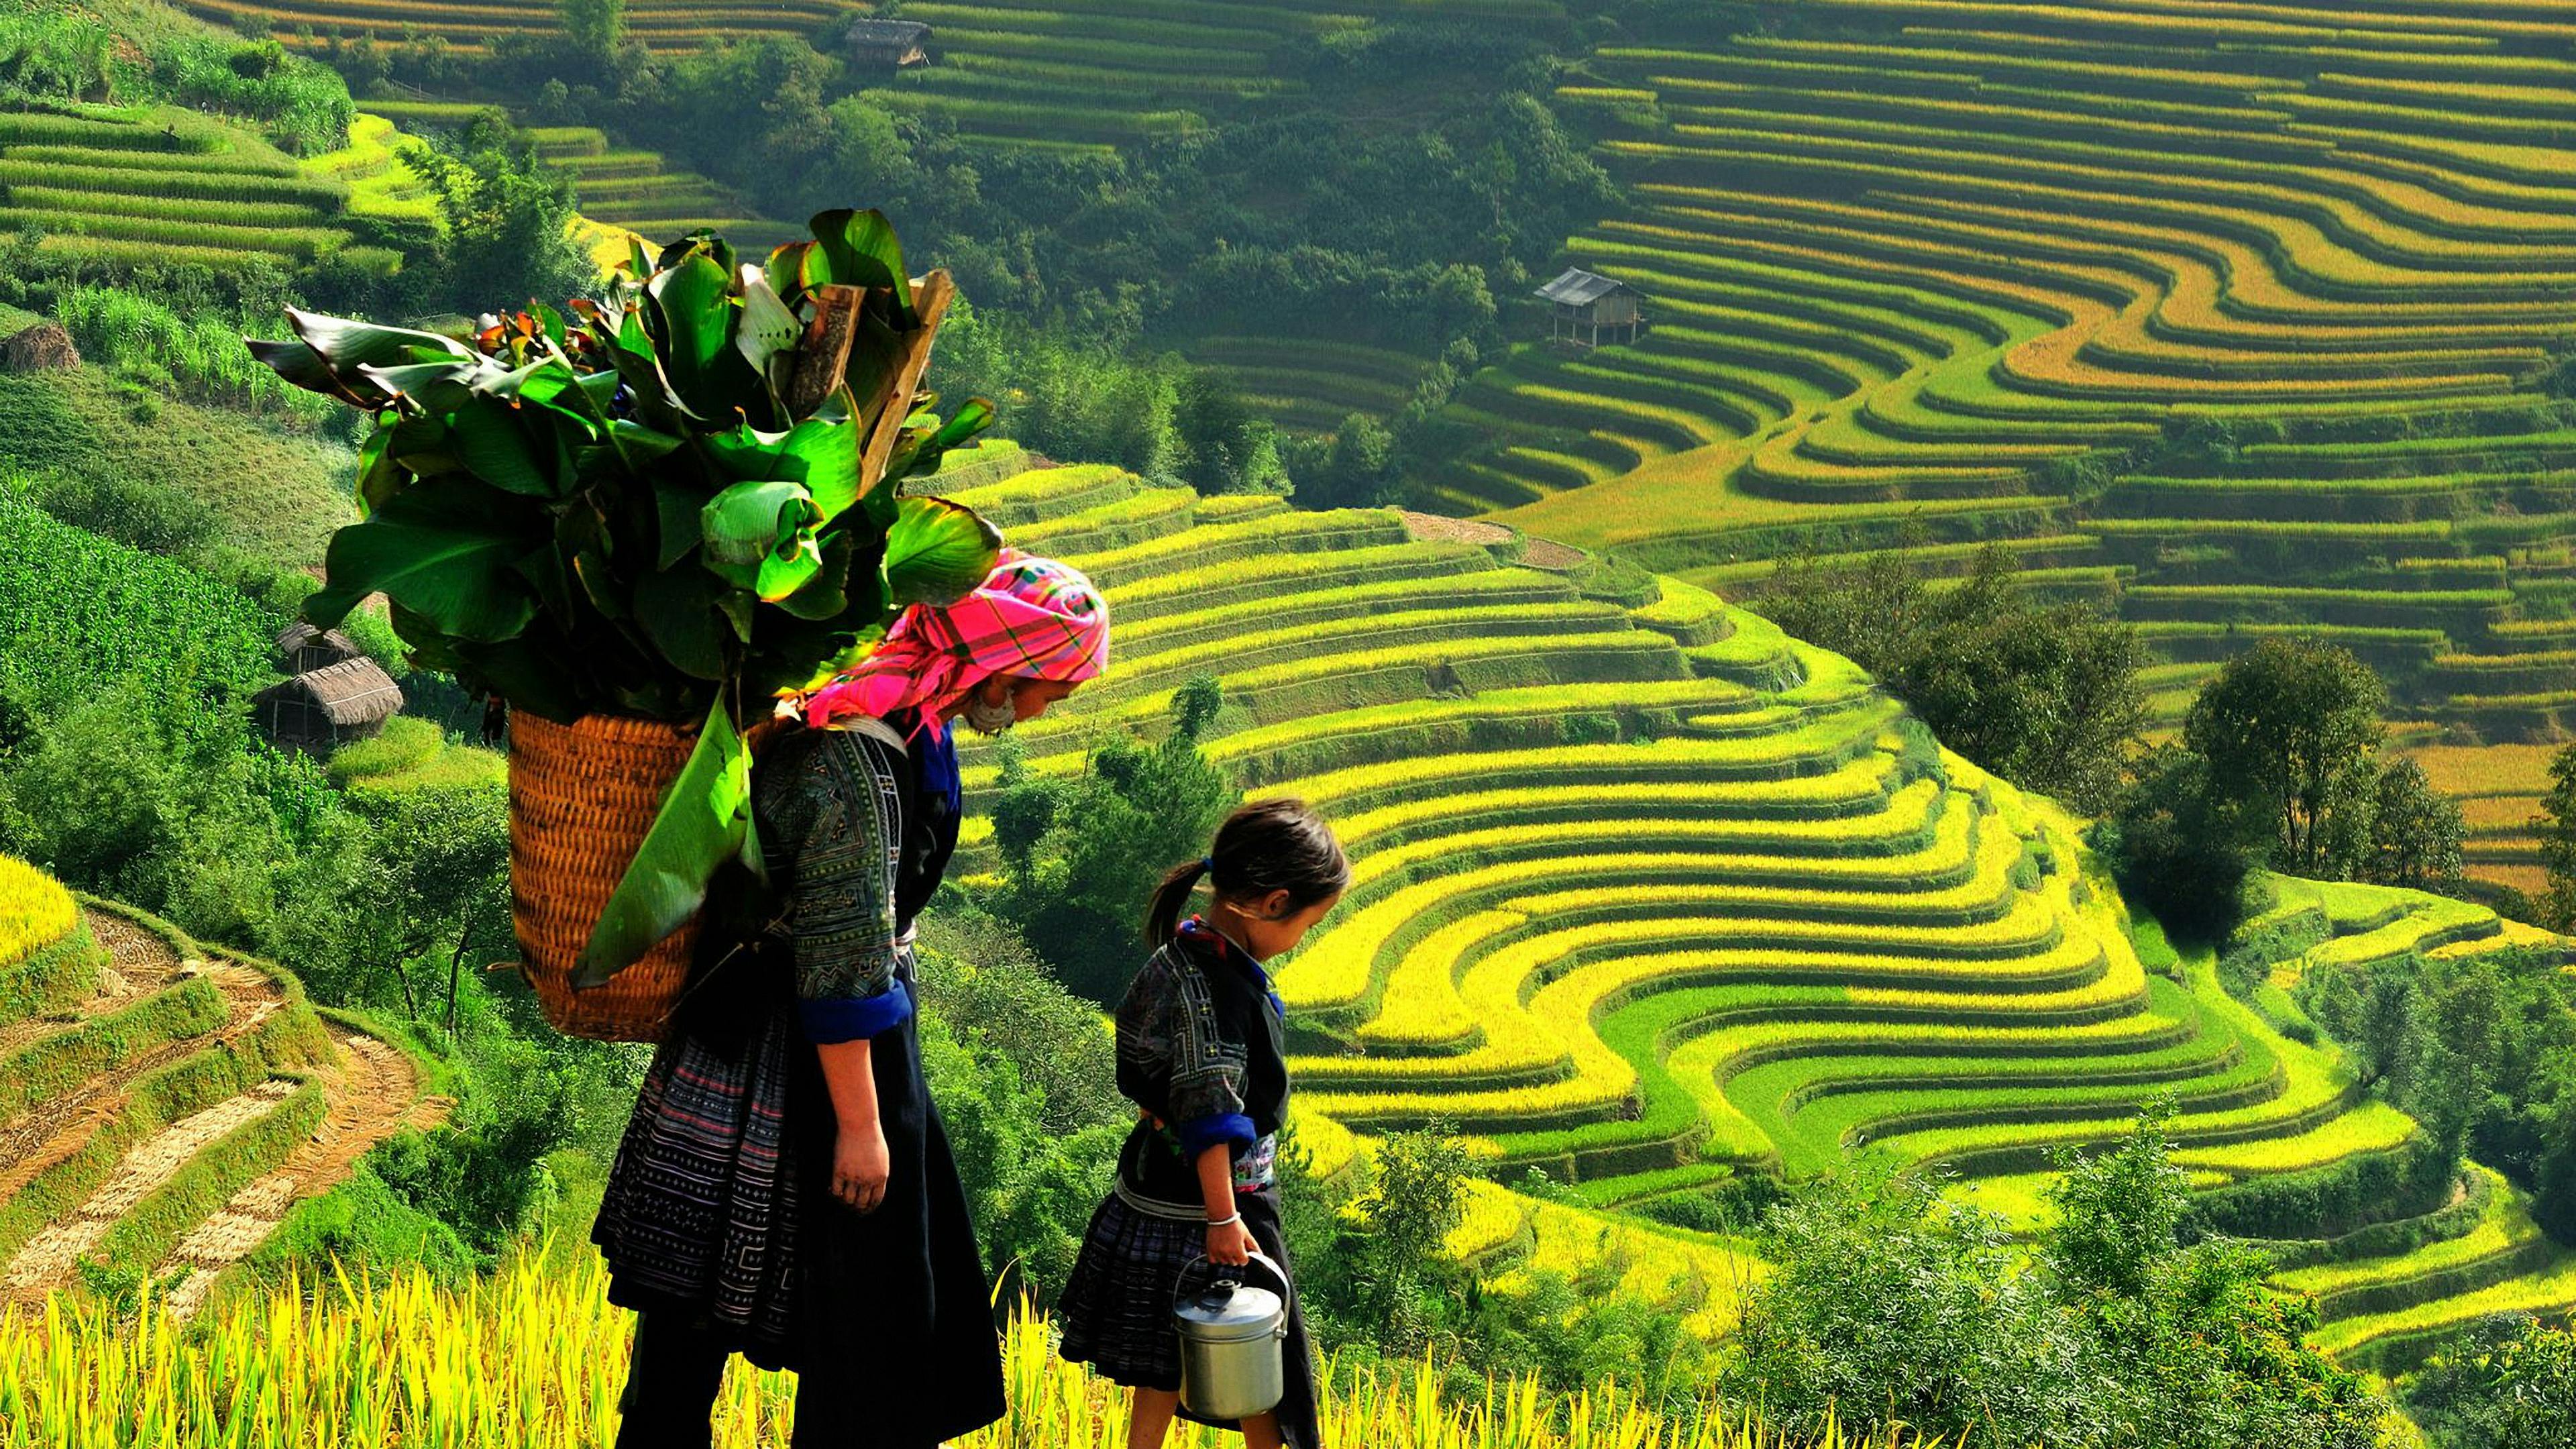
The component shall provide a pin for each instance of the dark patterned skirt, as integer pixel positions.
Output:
(1117, 1305)
(718, 1211)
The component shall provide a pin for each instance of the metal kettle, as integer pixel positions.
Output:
(1233, 1336)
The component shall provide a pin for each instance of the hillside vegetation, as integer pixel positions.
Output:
(1650, 896)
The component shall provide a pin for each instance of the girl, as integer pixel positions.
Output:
(1201, 1052)
(785, 1189)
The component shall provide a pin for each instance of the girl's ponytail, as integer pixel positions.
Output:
(1163, 917)
(1279, 844)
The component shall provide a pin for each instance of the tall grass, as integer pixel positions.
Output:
(536, 1356)
(198, 356)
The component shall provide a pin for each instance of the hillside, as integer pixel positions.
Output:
(165, 1105)
(2232, 317)
(1649, 895)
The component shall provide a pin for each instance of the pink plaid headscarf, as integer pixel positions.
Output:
(1033, 617)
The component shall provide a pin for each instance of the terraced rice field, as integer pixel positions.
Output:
(1908, 267)
(1645, 898)
(162, 1106)
(120, 186)
(641, 191)
(2499, 789)
(468, 27)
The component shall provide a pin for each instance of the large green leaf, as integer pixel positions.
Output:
(444, 558)
(701, 824)
(767, 333)
(496, 448)
(861, 250)
(677, 609)
(937, 552)
(698, 314)
(380, 477)
(821, 453)
(328, 353)
(759, 535)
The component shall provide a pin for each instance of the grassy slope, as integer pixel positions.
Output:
(279, 495)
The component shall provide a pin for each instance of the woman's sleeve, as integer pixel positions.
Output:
(840, 907)
(1168, 1041)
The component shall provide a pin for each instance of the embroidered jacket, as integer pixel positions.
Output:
(1202, 1049)
(835, 808)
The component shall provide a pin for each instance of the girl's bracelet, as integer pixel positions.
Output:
(1228, 1218)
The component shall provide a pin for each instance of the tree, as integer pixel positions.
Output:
(1078, 888)
(2046, 696)
(593, 29)
(508, 218)
(2291, 728)
(2508, 1385)
(2179, 847)
(2416, 832)
(1357, 468)
(2556, 827)
(1887, 1304)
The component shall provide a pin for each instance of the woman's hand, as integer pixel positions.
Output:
(1231, 1243)
(860, 1165)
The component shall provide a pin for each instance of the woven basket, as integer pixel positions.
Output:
(581, 798)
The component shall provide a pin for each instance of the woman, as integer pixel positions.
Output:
(785, 1189)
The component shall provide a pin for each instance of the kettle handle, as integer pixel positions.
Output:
(1276, 1272)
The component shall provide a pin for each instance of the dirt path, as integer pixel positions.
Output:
(373, 1090)
(46, 1261)
(1537, 553)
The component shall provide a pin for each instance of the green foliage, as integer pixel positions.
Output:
(2416, 833)
(81, 616)
(1026, 1080)
(2045, 696)
(195, 353)
(2555, 823)
(2480, 1048)
(1084, 855)
(1067, 396)
(1889, 1305)
(2507, 1385)
(505, 239)
(53, 52)
(1378, 1285)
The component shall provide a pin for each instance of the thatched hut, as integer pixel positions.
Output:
(1582, 303)
(321, 709)
(45, 347)
(887, 44)
(300, 647)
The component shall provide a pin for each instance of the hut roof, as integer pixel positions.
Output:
(45, 347)
(1575, 287)
(352, 692)
(300, 634)
(868, 30)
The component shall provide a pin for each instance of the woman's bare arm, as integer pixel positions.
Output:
(860, 1162)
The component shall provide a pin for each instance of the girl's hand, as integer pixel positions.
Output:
(860, 1165)
(1231, 1244)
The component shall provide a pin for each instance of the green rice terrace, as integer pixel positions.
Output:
(1649, 894)
(120, 185)
(2234, 317)
(164, 1105)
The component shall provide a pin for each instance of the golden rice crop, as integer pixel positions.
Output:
(35, 910)
(536, 1356)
